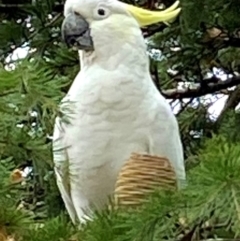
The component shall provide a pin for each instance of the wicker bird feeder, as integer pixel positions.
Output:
(140, 176)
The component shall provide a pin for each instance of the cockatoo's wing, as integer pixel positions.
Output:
(165, 138)
(61, 164)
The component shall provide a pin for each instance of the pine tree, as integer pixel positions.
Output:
(192, 53)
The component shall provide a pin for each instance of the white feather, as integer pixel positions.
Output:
(113, 109)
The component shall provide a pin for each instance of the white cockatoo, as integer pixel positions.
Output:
(113, 107)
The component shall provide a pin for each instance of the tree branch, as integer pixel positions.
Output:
(230, 104)
(200, 91)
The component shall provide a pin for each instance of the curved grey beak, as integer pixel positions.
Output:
(76, 32)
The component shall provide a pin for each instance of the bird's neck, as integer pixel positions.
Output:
(110, 56)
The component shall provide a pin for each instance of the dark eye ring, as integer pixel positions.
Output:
(101, 12)
(76, 13)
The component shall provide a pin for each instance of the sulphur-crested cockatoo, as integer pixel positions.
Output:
(113, 107)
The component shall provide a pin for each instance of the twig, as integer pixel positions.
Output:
(150, 31)
(2, 5)
(200, 91)
(221, 38)
(185, 106)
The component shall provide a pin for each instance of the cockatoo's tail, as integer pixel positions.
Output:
(77, 32)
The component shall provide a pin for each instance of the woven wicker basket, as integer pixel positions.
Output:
(140, 175)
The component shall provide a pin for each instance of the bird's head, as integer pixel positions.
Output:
(92, 24)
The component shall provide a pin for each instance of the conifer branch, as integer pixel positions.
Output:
(7, 93)
(33, 34)
(236, 203)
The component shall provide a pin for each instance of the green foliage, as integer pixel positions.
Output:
(55, 229)
(38, 82)
(212, 196)
(12, 220)
(31, 88)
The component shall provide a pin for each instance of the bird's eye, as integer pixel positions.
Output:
(101, 12)
(76, 13)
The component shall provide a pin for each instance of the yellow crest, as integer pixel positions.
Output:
(146, 17)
